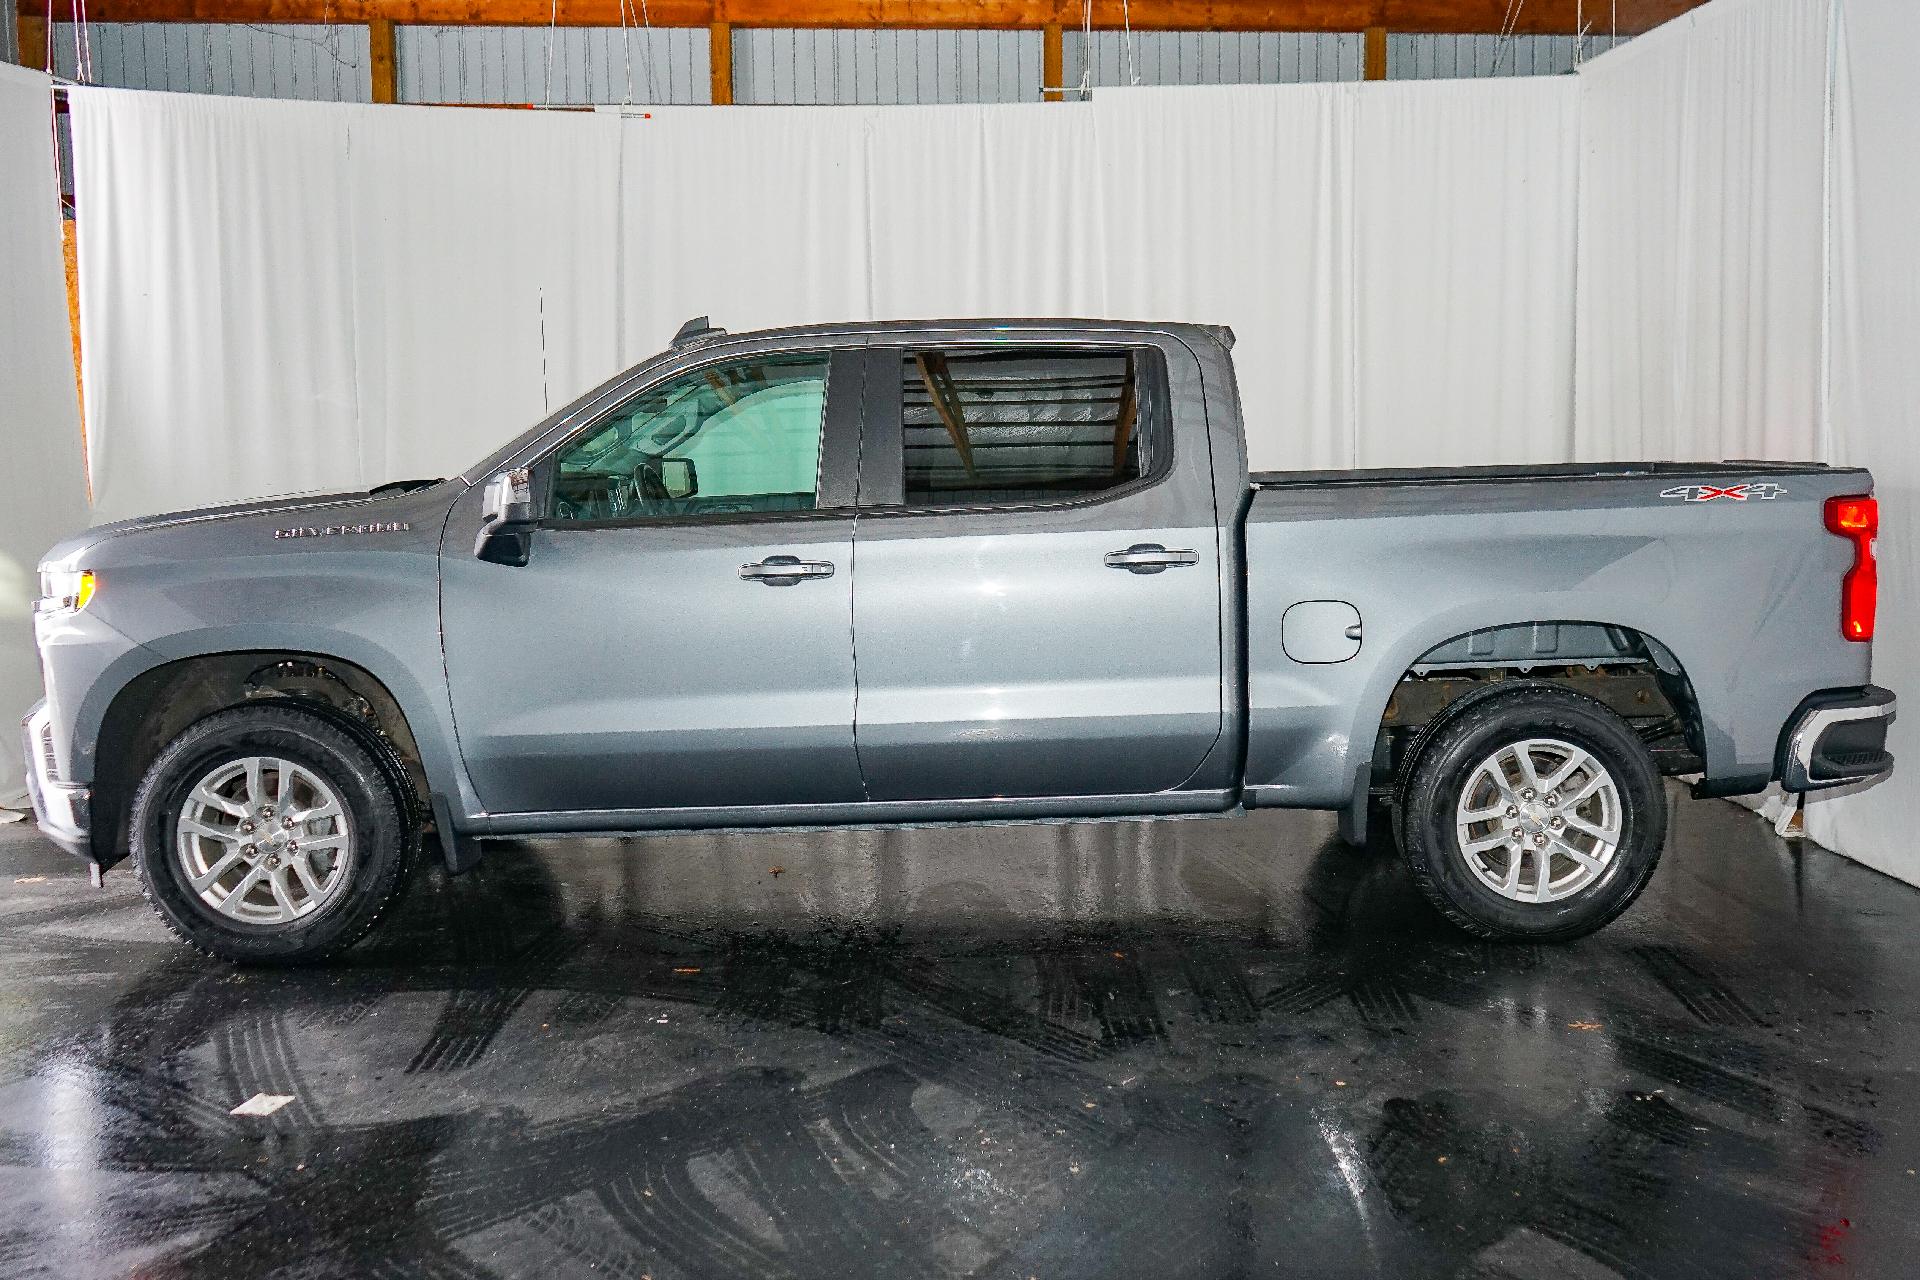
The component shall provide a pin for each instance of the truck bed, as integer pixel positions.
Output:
(1726, 568)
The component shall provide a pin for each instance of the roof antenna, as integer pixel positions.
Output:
(695, 330)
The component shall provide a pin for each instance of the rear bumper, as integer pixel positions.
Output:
(64, 812)
(1837, 736)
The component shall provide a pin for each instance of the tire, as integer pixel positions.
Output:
(359, 846)
(1453, 777)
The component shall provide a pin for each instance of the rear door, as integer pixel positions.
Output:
(678, 637)
(1037, 604)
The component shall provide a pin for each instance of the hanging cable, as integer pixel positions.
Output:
(646, 21)
(1126, 21)
(1086, 49)
(330, 37)
(1508, 26)
(86, 40)
(626, 49)
(53, 117)
(553, 25)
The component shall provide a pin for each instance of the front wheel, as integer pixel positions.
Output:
(269, 833)
(1534, 814)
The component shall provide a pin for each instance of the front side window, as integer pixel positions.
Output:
(739, 438)
(1018, 426)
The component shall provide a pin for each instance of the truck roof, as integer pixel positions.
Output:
(699, 329)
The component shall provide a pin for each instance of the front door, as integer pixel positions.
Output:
(1036, 605)
(678, 637)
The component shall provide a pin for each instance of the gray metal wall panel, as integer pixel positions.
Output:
(1443, 57)
(582, 65)
(319, 63)
(784, 65)
(587, 65)
(1215, 57)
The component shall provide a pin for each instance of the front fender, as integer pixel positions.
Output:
(414, 678)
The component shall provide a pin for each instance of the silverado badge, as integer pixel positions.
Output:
(338, 530)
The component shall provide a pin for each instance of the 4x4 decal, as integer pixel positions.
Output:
(1738, 492)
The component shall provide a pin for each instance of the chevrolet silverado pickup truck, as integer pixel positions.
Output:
(943, 572)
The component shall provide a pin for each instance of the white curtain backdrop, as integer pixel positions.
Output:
(283, 296)
(1250, 189)
(485, 276)
(1701, 217)
(1465, 211)
(1873, 312)
(758, 217)
(44, 498)
(1748, 288)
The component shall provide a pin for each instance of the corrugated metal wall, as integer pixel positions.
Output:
(325, 63)
(809, 66)
(587, 64)
(581, 65)
(1467, 57)
(1213, 57)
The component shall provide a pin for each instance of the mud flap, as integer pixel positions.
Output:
(461, 853)
(1353, 820)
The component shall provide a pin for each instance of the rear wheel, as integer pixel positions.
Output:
(1534, 814)
(269, 833)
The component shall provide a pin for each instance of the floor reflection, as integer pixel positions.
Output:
(1199, 1048)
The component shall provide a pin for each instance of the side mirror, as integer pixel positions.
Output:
(679, 477)
(506, 517)
(508, 499)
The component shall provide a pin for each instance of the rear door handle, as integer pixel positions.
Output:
(1150, 557)
(784, 571)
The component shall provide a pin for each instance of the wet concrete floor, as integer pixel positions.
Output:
(1192, 1048)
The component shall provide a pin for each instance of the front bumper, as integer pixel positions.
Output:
(64, 812)
(1836, 737)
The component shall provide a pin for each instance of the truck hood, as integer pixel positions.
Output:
(353, 505)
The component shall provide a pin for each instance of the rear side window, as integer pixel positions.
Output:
(1020, 426)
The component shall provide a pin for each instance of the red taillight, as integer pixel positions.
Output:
(1857, 519)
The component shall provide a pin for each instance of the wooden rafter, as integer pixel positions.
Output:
(1538, 17)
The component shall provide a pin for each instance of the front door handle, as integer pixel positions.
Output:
(1150, 557)
(784, 571)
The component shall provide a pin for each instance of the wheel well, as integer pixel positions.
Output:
(157, 705)
(1629, 672)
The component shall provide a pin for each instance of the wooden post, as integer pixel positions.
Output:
(70, 250)
(1053, 61)
(720, 56)
(32, 34)
(1376, 53)
(380, 61)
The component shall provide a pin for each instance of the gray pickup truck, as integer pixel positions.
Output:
(946, 572)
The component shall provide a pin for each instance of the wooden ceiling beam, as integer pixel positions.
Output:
(1538, 17)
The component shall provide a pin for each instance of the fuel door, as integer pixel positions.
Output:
(1320, 631)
